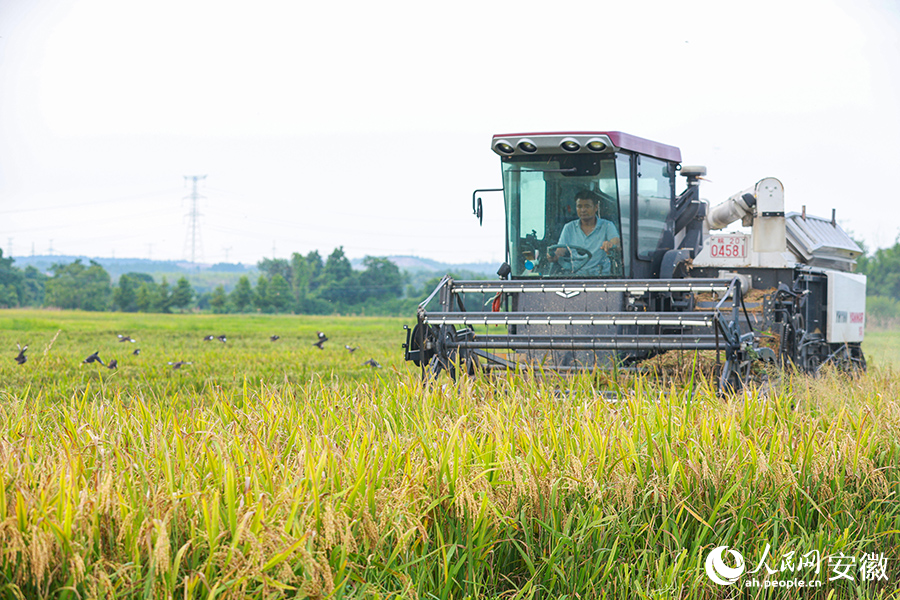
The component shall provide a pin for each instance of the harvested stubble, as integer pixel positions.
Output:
(500, 487)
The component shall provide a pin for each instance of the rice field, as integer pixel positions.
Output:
(273, 469)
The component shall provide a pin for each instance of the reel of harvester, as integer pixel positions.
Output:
(566, 326)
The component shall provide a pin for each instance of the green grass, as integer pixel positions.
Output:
(882, 348)
(269, 470)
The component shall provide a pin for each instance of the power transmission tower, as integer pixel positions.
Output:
(193, 236)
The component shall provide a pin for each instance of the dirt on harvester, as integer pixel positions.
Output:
(677, 365)
(753, 300)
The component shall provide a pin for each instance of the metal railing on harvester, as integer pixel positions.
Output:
(447, 340)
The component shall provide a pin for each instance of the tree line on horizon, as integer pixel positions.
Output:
(301, 285)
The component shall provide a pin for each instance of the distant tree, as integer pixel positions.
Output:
(227, 268)
(141, 277)
(381, 279)
(338, 281)
(242, 295)
(880, 310)
(162, 301)
(182, 294)
(77, 286)
(125, 294)
(279, 296)
(337, 266)
(145, 296)
(863, 260)
(11, 282)
(301, 273)
(218, 302)
(9, 298)
(883, 271)
(34, 283)
(261, 296)
(271, 267)
(97, 286)
(315, 264)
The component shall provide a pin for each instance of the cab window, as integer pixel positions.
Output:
(655, 188)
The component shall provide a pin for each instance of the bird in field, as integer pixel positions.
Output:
(21, 358)
(126, 338)
(372, 363)
(351, 349)
(95, 357)
(274, 338)
(322, 339)
(178, 364)
(222, 338)
(136, 351)
(209, 338)
(113, 364)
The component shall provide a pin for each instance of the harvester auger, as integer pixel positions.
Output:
(608, 267)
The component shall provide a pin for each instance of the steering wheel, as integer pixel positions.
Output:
(572, 260)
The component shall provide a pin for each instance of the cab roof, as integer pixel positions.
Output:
(580, 142)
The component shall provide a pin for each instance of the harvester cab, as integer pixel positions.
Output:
(606, 265)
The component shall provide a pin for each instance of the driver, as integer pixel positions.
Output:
(589, 232)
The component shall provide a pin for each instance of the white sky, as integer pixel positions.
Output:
(368, 124)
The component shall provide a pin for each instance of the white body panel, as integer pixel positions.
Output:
(737, 249)
(764, 246)
(846, 307)
(769, 237)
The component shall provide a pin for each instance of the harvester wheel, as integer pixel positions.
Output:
(422, 338)
(438, 364)
(445, 354)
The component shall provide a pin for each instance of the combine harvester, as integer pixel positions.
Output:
(607, 266)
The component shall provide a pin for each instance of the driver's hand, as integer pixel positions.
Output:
(557, 254)
(607, 245)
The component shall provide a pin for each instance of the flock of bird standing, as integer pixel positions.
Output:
(21, 357)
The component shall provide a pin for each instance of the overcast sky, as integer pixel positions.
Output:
(368, 124)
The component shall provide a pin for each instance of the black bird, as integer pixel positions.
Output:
(350, 349)
(93, 358)
(372, 363)
(177, 364)
(136, 351)
(21, 358)
(209, 338)
(113, 364)
(221, 338)
(274, 338)
(125, 338)
(322, 340)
